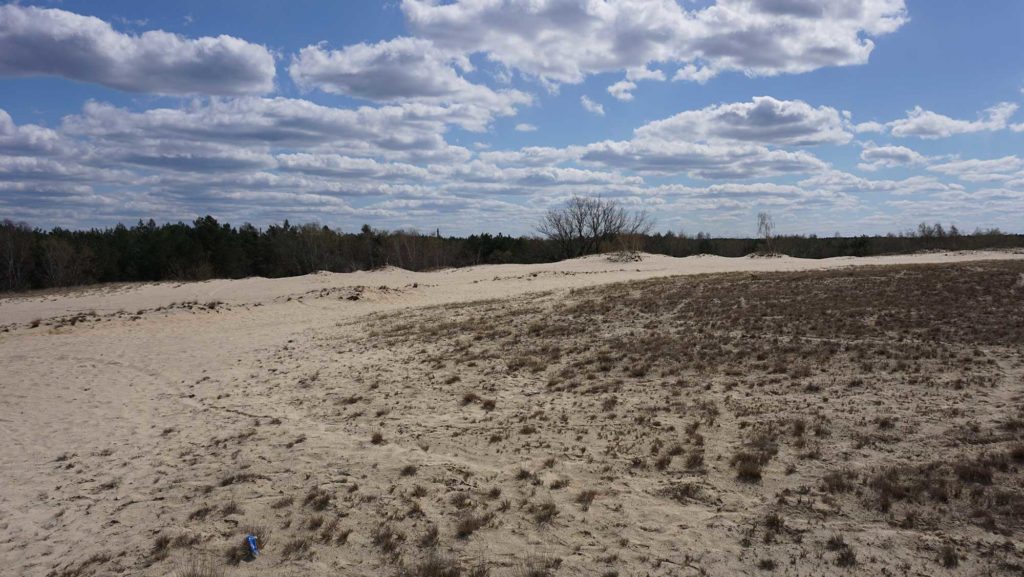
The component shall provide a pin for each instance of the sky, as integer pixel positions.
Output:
(468, 116)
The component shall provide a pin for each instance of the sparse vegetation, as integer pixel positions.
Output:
(199, 568)
(537, 566)
(468, 523)
(780, 420)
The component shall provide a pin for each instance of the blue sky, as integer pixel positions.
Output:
(853, 116)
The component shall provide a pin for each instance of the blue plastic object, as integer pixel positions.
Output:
(254, 547)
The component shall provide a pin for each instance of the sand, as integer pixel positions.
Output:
(126, 408)
(432, 288)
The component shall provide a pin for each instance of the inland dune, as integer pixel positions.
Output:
(669, 417)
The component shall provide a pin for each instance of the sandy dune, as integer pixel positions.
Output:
(125, 411)
(440, 287)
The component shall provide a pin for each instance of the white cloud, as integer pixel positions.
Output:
(693, 73)
(525, 127)
(977, 170)
(411, 129)
(878, 157)
(28, 139)
(764, 119)
(719, 143)
(930, 125)
(563, 41)
(183, 156)
(37, 41)
(591, 106)
(622, 90)
(482, 172)
(31, 172)
(699, 160)
(644, 73)
(336, 165)
(530, 156)
(838, 181)
(870, 126)
(402, 69)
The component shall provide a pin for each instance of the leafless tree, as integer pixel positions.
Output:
(766, 231)
(314, 247)
(585, 224)
(15, 254)
(61, 265)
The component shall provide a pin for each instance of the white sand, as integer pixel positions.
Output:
(103, 391)
(438, 287)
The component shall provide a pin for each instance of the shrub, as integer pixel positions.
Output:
(974, 472)
(386, 538)
(948, 556)
(317, 499)
(296, 547)
(748, 467)
(585, 498)
(468, 523)
(545, 512)
(199, 568)
(535, 566)
(429, 539)
(434, 565)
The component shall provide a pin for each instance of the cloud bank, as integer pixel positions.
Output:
(52, 42)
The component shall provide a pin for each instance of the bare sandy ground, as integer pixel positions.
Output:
(408, 289)
(140, 414)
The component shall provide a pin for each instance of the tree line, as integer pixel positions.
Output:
(32, 258)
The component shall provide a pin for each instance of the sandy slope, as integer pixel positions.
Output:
(445, 286)
(112, 423)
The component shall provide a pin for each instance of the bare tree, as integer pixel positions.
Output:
(15, 254)
(766, 231)
(584, 224)
(313, 247)
(60, 264)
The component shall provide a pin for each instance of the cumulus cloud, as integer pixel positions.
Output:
(694, 73)
(591, 106)
(525, 127)
(271, 154)
(839, 181)
(565, 40)
(483, 172)
(879, 157)
(402, 69)
(930, 125)
(184, 156)
(409, 129)
(764, 119)
(622, 90)
(530, 156)
(978, 170)
(644, 73)
(31, 171)
(699, 160)
(52, 42)
(729, 141)
(343, 166)
(28, 139)
(870, 126)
